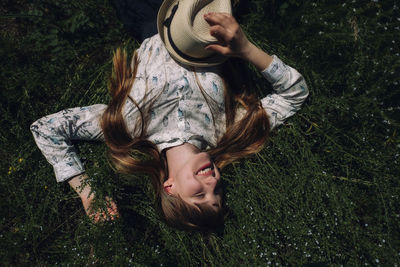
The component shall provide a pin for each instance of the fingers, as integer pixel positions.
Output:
(222, 25)
(112, 210)
(231, 39)
(227, 31)
(220, 33)
(219, 49)
(100, 215)
(223, 19)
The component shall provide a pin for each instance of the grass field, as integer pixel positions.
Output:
(324, 191)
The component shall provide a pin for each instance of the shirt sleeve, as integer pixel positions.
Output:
(290, 91)
(53, 135)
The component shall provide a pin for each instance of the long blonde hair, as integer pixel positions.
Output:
(135, 154)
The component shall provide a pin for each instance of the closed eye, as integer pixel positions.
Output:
(200, 195)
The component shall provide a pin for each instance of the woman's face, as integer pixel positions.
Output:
(197, 182)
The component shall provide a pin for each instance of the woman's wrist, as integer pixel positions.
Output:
(81, 188)
(260, 59)
(247, 51)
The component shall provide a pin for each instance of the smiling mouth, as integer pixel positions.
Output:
(206, 170)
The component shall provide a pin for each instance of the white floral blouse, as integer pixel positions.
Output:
(179, 114)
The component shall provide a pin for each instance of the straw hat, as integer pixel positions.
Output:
(185, 33)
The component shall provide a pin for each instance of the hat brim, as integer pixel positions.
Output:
(163, 12)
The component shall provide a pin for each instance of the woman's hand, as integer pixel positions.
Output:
(233, 42)
(84, 190)
(100, 215)
(231, 38)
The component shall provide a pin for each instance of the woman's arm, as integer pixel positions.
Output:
(289, 85)
(290, 92)
(54, 134)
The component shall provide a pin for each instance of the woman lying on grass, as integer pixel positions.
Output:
(176, 114)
